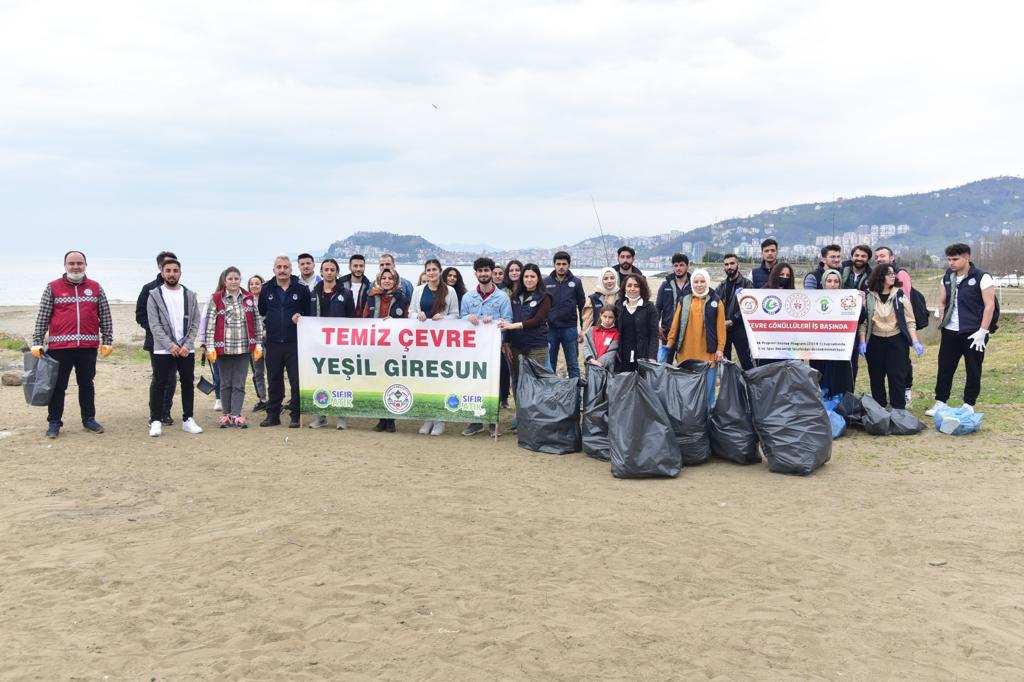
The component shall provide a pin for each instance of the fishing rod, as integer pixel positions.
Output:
(600, 227)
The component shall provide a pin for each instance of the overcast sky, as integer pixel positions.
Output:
(281, 125)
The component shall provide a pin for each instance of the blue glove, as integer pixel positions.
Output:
(863, 348)
(918, 348)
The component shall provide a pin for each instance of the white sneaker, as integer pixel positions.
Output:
(969, 408)
(342, 424)
(909, 396)
(425, 429)
(930, 412)
(190, 426)
(438, 429)
(155, 428)
(218, 406)
(318, 421)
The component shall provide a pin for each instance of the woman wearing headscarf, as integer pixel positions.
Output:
(638, 323)
(698, 327)
(607, 293)
(836, 375)
(385, 300)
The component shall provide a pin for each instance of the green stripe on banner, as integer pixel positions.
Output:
(442, 407)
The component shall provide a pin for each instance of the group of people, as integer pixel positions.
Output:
(254, 327)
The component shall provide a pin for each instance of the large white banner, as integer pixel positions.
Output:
(800, 324)
(445, 370)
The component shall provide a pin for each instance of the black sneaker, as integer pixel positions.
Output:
(166, 420)
(391, 426)
(53, 430)
(92, 425)
(271, 421)
(259, 407)
(381, 426)
(294, 423)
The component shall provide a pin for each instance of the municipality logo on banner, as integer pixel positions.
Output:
(398, 368)
(786, 324)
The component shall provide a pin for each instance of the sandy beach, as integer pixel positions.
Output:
(300, 554)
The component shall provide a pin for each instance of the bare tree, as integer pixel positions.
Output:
(1003, 256)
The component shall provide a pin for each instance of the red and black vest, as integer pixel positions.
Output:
(75, 322)
(248, 307)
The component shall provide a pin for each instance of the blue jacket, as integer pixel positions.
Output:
(759, 276)
(277, 306)
(567, 301)
(497, 305)
(668, 297)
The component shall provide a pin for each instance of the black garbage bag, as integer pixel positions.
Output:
(789, 416)
(731, 427)
(876, 418)
(904, 423)
(595, 414)
(682, 391)
(40, 379)
(639, 432)
(849, 406)
(547, 410)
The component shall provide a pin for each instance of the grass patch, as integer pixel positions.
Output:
(12, 343)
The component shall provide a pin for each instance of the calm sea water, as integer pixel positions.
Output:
(22, 280)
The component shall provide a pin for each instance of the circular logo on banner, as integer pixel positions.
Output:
(397, 399)
(798, 305)
(748, 305)
(322, 398)
(825, 304)
(453, 402)
(771, 304)
(848, 303)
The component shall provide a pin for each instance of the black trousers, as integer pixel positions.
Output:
(83, 361)
(952, 347)
(281, 357)
(505, 378)
(887, 362)
(165, 367)
(168, 391)
(855, 360)
(736, 336)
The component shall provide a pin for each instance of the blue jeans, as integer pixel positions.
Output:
(566, 338)
(712, 373)
(664, 354)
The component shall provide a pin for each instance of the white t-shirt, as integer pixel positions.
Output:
(174, 299)
(954, 319)
(356, 287)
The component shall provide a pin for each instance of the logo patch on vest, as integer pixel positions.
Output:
(295, 297)
(971, 282)
(88, 292)
(571, 284)
(533, 304)
(398, 312)
(714, 304)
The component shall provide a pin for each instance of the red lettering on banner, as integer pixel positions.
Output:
(328, 332)
(359, 336)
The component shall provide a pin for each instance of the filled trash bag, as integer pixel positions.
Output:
(731, 426)
(642, 443)
(682, 391)
(838, 421)
(850, 407)
(876, 418)
(547, 410)
(957, 421)
(40, 379)
(595, 414)
(791, 422)
(904, 423)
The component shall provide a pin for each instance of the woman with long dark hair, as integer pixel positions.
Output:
(638, 323)
(258, 367)
(527, 333)
(513, 271)
(330, 299)
(453, 278)
(433, 300)
(887, 332)
(781, 277)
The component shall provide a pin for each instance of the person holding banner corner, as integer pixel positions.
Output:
(434, 300)
(486, 304)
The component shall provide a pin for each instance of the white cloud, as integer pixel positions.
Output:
(205, 116)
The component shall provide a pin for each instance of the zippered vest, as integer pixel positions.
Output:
(896, 296)
(526, 310)
(970, 305)
(710, 320)
(248, 307)
(75, 322)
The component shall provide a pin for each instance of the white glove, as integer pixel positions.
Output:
(978, 339)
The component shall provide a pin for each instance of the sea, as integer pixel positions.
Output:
(22, 280)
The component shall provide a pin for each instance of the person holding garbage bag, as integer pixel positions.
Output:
(527, 333)
(75, 319)
(638, 323)
(887, 331)
(698, 328)
(434, 300)
(836, 375)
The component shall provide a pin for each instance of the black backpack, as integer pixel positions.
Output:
(922, 316)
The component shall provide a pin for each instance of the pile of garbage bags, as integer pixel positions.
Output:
(864, 411)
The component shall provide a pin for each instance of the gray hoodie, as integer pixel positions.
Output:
(160, 320)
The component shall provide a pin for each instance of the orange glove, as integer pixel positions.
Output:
(105, 351)
(37, 351)
(211, 355)
(257, 352)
